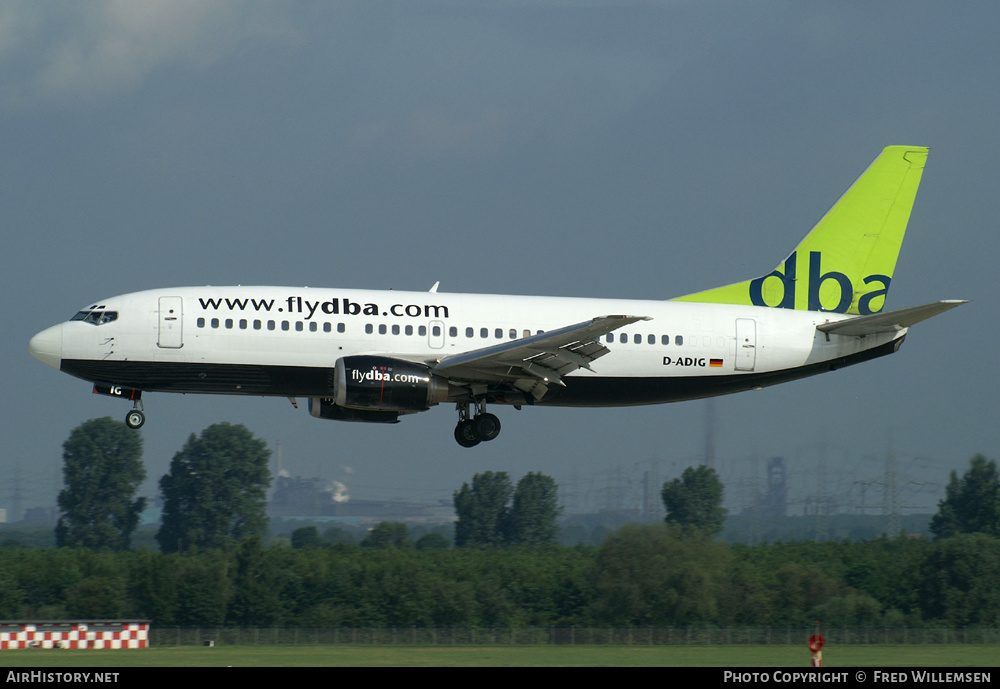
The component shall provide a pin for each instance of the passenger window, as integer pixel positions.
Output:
(513, 334)
(453, 331)
(469, 332)
(395, 329)
(623, 338)
(409, 330)
(484, 333)
(610, 337)
(422, 330)
(651, 339)
(327, 327)
(201, 322)
(436, 331)
(341, 327)
(678, 340)
(381, 329)
(665, 339)
(256, 325)
(299, 326)
(229, 324)
(369, 328)
(215, 322)
(285, 325)
(243, 324)
(270, 325)
(498, 333)
(313, 326)
(637, 338)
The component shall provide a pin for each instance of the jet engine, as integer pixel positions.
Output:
(385, 384)
(377, 389)
(324, 408)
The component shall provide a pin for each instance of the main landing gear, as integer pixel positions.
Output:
(471, 431)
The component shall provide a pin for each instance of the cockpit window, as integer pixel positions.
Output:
(96, 317)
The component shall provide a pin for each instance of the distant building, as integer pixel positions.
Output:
(40, 515)
(314, 499)
(300, 497)
(775, 502)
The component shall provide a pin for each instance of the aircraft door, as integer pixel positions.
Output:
(746, 344)
(171, 323)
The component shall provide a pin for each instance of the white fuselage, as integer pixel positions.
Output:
(285, 340)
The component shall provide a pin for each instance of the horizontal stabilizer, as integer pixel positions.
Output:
(890, 321)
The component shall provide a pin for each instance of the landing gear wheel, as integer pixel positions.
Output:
(465, 434)
(486, 426)
(135, 419)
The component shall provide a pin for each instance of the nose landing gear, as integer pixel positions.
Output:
(482, 427)
(135, 418)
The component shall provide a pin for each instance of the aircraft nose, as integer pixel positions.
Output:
(46, 346)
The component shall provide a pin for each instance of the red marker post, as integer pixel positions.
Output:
(816, 642)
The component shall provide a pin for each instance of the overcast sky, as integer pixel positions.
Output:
(628, 149)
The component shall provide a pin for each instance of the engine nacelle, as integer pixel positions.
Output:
(324, 408)
(385, 384)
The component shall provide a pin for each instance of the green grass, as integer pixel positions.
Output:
(498, 656)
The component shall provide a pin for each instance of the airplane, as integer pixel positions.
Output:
(373, 356)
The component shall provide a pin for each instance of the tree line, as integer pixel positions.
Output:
(506, 570)
(655, 575)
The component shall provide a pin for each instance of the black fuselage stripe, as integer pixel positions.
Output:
(308, 381)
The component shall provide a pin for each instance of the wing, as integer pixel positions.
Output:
(531, 364)
(889, 322)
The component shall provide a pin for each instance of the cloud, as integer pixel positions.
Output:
(479, 82)
(57, 51)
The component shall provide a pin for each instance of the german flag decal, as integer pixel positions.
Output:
(715, 363)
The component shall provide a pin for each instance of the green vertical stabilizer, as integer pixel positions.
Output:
(845, 263)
